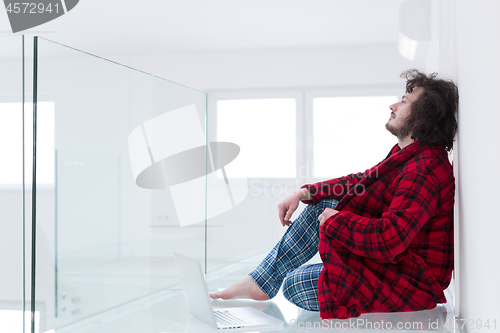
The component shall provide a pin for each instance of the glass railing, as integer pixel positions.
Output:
(129, 169)
(113, 198)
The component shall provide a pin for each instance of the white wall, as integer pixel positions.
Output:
(478, 69)
(278, 68)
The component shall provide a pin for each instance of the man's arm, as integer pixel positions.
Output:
(330, 189)
(336, 188)
(385, 238)
(290, 204)
(304, 194)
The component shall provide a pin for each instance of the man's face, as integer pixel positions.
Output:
(400, 111)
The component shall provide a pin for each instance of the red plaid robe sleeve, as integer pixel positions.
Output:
(336, 188)
(385, 238)
(331, 189)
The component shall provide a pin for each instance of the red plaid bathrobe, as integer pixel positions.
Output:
(390, 247)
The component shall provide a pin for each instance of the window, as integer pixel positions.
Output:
(265, 130)
(349, 134)
(309, 135)
(11, 143)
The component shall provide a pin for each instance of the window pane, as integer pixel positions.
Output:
(349, 134)
(265, 131)
(11, 131)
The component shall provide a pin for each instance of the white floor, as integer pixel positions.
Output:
(166, 311)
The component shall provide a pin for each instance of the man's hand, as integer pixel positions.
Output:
(326, 214)
(290, 204)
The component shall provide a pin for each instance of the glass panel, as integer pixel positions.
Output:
(121, 198)
(11, 184)
(342, 125)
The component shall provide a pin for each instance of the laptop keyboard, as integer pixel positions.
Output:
(224, 317)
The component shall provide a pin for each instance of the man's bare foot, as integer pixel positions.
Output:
(245, 288)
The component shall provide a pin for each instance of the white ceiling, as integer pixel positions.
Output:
(158, 26)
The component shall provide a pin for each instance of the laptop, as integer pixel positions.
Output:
(200, 306)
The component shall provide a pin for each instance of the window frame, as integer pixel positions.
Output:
(215, 96)
(339, 91)
(304, 97)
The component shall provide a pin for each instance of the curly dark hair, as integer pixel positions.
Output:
(432, 117)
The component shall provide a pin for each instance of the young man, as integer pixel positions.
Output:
(385, 236)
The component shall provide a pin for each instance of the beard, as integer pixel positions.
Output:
(393, 129)
(398, 131)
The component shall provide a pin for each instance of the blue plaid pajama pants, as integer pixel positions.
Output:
(283, 265)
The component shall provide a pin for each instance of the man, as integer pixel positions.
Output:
(385, 236)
